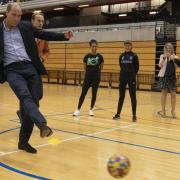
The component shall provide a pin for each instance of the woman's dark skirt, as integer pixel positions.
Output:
(167, 83)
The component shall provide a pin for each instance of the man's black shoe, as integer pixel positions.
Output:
(27, 147)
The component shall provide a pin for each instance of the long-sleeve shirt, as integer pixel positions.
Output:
(14, 49)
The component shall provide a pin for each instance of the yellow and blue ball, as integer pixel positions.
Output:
(118, 166)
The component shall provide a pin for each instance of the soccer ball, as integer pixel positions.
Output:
(118, 166)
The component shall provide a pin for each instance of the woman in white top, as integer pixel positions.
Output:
(167, 78)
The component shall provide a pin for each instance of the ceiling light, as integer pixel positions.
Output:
(57, 9)
(152, 12)
(37, 11)
(122, 15)
(85, 5)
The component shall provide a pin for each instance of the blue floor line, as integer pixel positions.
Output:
(121, 142)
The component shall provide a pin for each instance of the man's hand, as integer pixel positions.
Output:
(68, 35)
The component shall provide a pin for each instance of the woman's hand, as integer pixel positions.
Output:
(172, 57)
(169, 56)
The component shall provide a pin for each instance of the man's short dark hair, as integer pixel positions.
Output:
(127, 42)
(9, 7)
(92, 41)
(35, 14)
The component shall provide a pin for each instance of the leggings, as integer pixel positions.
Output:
(88, 82)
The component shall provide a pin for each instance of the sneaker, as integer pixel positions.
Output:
(116, 117)
(76, 113)
(90, 112)
(134, 118)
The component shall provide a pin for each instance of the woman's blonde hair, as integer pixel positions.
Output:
(168, 45)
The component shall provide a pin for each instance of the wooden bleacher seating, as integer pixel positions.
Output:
(65, 63)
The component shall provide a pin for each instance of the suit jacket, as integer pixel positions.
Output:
(29, 34)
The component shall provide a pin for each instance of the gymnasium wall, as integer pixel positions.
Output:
(136, 34)
(70, 56)
(108, 33)
(178, 33)
(67, 57)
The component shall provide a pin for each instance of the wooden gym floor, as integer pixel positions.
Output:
(85, 143)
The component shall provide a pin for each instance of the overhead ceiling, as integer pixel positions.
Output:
(47, 4)
(101, 2)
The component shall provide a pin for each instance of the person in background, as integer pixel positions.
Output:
(93, 64)
(37, 20)
(167, 78)
(129, 65)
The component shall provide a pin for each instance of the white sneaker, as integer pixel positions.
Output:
(76, 113)
(91, 112)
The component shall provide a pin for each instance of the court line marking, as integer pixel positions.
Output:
(22, 172)
(105, 119)
(140, 129)
(138, 133)
(70, 139)
(105, 109)
(17, 170)
(106, 139)
(124, 122)
(39, 146)
(8, 130)
(121, 142)
(91, 135)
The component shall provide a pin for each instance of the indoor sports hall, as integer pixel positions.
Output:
(82, 145)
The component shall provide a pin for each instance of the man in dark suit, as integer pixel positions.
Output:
(21, 67)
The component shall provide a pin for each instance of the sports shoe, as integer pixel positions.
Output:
(76, 113)
(116, 117)
(134, 118)
(90, 112)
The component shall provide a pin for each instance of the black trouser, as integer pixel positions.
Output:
(26, 84)
(131, 81)
(88, 82)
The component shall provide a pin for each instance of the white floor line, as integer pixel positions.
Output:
(120, 121)
(71, 139)
(10, 107)
(70, 117)
(139, 129)
(90, 120)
